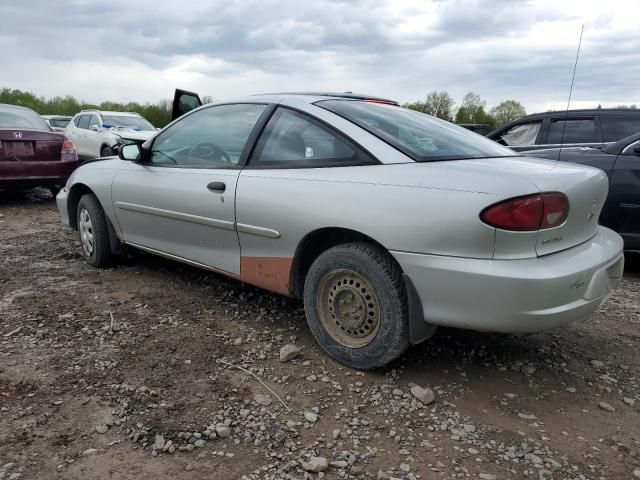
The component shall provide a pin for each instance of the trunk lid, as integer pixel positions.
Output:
(585, 187)
(24, 145)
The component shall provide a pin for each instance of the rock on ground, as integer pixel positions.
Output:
(315, 464)
(289, 352)
(264, 400)
(425, 395)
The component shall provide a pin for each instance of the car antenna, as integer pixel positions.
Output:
(573, 77)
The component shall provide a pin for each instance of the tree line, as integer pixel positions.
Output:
(472, 109)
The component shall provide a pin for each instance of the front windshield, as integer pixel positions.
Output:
(137, 123)
(21, 118)
(422, 137)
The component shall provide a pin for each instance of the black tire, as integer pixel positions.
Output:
(106, 151)
(382, 277)
(100, 253)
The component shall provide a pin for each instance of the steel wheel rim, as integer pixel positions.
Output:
(86, 232)
(348, 307)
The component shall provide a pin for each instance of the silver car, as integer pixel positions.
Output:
(385, 221)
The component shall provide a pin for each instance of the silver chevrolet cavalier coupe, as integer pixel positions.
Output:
(385, 221)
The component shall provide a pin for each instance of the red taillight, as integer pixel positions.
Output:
(68, 147)
(533, 212)
(556, 209)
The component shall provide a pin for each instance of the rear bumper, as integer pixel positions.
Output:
(517, 296)
(33, 174)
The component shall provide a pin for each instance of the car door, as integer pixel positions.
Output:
(180, 202)
(183, 102)
(275, 189)
(79, 137)
(624, 195)
(92, 141)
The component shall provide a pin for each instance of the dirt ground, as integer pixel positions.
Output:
(101, 369)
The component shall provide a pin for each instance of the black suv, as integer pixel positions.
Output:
(588, 128)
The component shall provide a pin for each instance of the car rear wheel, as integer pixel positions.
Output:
(93, 231)
(356, 305)
(106, 151)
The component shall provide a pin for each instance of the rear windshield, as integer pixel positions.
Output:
(59, 122)
(137, 123)
(422, 137)
(21, 118)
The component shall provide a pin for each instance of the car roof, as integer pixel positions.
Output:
(15, 107)
(308, 97)
(583, 111)
(55, 116)
(313, 96)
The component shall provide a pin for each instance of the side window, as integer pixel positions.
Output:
(291, 139)
(212, 137)
(76, 120)
(93, 120)
(631, 149)
(521, 135)
(578, 130)
(84, 121)
(615, 128)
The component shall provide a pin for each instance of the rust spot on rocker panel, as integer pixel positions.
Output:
(270, 273)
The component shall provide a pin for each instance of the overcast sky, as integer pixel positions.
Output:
(140, 50)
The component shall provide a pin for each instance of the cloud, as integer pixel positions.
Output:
(141, 50)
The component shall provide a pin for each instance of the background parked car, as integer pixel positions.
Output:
(265, 191)
(57, 122)
(587, 128)
(621, 161)
(99, 133)
(31, 155)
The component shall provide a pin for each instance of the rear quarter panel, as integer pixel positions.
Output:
(410, 207)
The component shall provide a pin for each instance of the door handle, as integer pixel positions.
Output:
(217, 187)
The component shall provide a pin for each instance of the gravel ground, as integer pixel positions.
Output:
(156, 370)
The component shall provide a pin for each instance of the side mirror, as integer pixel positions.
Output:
(94, 128)
(132, 152)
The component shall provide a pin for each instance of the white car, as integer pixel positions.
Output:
(98, 133)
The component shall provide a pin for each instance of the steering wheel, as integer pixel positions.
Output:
(207, 151)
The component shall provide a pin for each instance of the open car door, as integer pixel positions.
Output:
(184, 102)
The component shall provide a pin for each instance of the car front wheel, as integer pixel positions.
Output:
(93, 231)
(106, 151)
(356, 305)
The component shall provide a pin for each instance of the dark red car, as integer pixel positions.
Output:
(31, 154)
